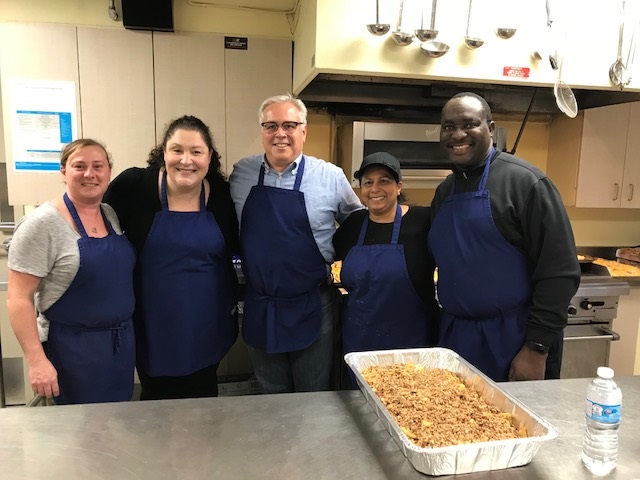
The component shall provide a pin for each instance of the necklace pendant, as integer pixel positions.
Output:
(94, 230)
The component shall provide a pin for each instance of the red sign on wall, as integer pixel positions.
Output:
(520, 72)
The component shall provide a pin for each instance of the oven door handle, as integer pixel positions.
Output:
(607, 335)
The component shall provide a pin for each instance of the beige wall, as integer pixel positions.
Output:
(608, 227)
(186, 18)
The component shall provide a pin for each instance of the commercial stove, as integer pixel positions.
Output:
(589, 332)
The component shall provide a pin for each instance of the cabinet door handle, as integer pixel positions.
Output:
(617, 191)
(630, 192)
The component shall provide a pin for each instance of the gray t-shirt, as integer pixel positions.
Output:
(46, 246)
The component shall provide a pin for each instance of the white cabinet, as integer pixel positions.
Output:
(625, 353)
(189, 80)
(34, 52)
(130, 84)
(594, 159)
(262, 70)
(116, 89)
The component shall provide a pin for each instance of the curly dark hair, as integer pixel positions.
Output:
(188, 122)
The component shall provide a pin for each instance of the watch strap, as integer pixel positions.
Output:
(536, 346)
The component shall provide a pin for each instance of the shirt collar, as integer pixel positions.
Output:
(291, 168)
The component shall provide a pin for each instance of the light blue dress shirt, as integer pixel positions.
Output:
(328, 195)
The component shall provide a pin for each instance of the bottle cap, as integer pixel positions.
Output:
(605, 372)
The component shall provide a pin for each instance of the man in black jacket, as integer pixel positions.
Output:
(504, 247)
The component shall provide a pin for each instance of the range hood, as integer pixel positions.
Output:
(422, 100)
(343, 69)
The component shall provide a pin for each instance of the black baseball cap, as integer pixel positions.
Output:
(380, 158)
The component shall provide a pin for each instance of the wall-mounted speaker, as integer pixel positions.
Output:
(148, 15)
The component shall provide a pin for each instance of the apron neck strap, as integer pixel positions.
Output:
(76, 218)
(485, 174)
(165, 200)
(299, 174)
(395, 234)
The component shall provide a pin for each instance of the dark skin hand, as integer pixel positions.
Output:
(528, 365)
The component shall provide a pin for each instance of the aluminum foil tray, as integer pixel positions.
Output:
(474, 457)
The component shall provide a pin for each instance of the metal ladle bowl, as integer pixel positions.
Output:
(402, 39)
(505, 33)
(473, 42)
(434, 49)
(426, 34)
(378, 29)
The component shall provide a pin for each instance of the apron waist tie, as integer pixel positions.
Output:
(115, 333)
(480, 319)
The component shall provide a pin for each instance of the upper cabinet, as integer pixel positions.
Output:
(594, 159)
(34, 52)
(189, 80)
(116, 91)
(130, 85)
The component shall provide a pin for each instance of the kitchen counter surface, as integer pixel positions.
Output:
(322, 435)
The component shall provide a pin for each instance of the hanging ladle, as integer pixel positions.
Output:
(426, 34)
(617, 68)
(505, 33)
(399, 37)
(471, 42)
(378, 28)
(625, 77)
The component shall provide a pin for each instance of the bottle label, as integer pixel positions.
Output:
(602, 413)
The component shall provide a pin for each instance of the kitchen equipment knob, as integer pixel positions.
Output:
(586, 305)
(572, 310)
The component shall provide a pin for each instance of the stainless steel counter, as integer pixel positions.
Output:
(294, 436)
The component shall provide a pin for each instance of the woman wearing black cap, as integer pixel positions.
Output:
(386, 267)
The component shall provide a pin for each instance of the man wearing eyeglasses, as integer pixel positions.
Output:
(288, 204)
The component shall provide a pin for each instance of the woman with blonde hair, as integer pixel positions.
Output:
(69, 255)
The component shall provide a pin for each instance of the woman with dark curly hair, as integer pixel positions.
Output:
(178, 214)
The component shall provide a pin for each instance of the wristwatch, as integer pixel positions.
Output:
(537, 347)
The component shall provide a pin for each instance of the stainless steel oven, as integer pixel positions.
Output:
(416, 146)
(589, 333)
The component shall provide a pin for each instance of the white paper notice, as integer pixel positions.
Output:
(43, 120)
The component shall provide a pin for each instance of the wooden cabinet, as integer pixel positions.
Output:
(594, 159)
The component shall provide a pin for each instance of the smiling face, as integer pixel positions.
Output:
(282, 148)
(87, 174)
(466, 133)
(379, 191)
(186, 158)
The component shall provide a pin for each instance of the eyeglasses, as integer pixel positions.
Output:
(288, 127)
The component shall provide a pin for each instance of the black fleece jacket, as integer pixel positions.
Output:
(528, 211)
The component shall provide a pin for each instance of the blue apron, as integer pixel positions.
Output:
(185, 316)
(484, 282)
(383, 309)
(91, 340)
(283, 267)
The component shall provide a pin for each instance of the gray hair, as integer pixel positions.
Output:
(286, 98)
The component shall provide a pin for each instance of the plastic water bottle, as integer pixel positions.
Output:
(602, 415)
